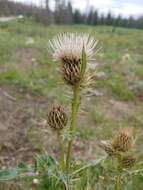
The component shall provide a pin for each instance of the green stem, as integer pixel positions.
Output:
(119, 171)
(75, 105)
(118, 183)
(62, 157)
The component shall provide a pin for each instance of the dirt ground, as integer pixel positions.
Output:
(17, 117)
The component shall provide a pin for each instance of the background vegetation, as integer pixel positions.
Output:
(65, 14)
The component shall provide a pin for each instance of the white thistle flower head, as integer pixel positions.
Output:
(67, 48)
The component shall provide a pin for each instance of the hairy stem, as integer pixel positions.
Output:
(119, 171)
(118, 183)
(62, 157)
(75, 105)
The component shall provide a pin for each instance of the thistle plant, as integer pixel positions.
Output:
(119, 148)
(73, 51)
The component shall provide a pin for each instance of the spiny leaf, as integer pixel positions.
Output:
(83, 63)
(91, 164)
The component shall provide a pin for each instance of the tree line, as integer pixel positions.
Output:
(64, 13)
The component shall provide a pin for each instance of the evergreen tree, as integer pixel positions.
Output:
(119, 21)
(95, 18)
(140, 22)
(77, 17)
(109, 19)
(101, 20)
(69, 14)
(65, 14)
(131, 22)
(90, 17)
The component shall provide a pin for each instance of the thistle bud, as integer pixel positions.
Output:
(122, 141)
(128, 161)
(57, 118)
(107, 147)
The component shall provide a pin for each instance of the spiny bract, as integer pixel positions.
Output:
(123, 140)
(57, 118)
(128, 161)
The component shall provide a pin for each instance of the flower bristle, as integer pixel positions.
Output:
(57, 118)
(123, 140)
(69, 46)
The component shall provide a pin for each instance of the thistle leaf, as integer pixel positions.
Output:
(90, 164)
(83, 63)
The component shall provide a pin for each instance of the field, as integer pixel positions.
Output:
(30, 83)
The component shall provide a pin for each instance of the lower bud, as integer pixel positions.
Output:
(57, 118)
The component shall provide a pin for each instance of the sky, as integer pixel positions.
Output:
(122, 7)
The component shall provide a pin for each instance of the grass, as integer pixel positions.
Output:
(29, 67)
(114, 46)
